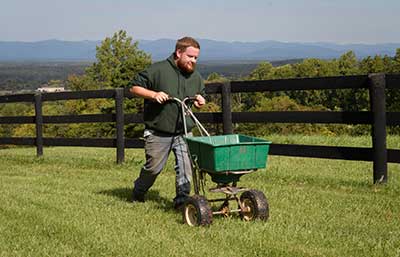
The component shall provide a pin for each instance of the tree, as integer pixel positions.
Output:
(81, 83)
(16, 109)
(281, 103)
(396, 62)
(261, 72)
(372, 65)
(393, 95)
(283, 72)
(215, 78)
(311, 68)
(348, 64)
(388, 64)
(347, 99)
(118, 61)
(378, 64)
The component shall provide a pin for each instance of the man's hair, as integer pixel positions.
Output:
(186, 42)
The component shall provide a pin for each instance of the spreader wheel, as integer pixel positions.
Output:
(197, 211)
(254, 205)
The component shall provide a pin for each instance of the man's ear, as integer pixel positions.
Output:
(178, 53)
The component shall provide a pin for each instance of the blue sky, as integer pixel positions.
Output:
(338, 21)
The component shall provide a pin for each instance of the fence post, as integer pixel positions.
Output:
(119, 119)
(226, 108)
(378, 108)
(39, 124)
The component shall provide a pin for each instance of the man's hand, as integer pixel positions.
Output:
(200, 101)
(160, 97)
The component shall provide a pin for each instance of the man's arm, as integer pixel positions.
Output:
(159, 97)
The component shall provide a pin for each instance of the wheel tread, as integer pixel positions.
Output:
(260, 203)
(203, 208)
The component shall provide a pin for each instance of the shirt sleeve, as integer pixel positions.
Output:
(142, 79)
(202, 89)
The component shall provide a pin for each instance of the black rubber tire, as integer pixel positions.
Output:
(255, 206)
(197, 211)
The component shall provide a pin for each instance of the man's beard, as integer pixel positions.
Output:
(186, 67)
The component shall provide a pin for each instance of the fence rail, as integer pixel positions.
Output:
(377, 117)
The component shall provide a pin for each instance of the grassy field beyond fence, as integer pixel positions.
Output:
(73, 202)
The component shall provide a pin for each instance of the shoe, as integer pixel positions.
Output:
(137, 198)
(179, 207)
(180, 204)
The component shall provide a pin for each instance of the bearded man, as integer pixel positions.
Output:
(173, 77)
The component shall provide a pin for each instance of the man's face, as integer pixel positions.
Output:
(187, 59)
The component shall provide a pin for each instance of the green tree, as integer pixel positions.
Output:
(393, 95)
(282, 103)
(282, 72)
(311, 68)
(388, 64)
(347, 99)
(215, 78)
(261, 72)
(81, 83)
(372, 65)
(15, 109)
(378, 64)
(396, 62)
(118, 61)
(348, 64)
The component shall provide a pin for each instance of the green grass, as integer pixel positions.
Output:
(73, 202)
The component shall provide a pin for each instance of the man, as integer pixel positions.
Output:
(173, 77)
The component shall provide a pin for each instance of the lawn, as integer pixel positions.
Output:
(73, 202)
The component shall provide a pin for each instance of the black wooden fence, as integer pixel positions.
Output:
(377, 117)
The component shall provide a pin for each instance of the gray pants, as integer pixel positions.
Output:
(157, 149)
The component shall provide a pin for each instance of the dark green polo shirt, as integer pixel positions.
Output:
(167, 77)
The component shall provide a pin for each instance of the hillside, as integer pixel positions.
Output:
(17, 76)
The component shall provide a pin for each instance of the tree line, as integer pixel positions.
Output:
(316, 100)
(118, 60)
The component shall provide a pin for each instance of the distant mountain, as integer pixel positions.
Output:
(48, 50)
(56, 50)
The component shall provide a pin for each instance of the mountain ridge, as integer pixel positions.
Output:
(212, 50)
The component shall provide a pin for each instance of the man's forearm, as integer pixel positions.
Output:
(145, 93)
(142, 92)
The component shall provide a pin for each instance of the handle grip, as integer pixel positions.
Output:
(188, 99)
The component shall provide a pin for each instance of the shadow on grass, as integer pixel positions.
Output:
(125, 195)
